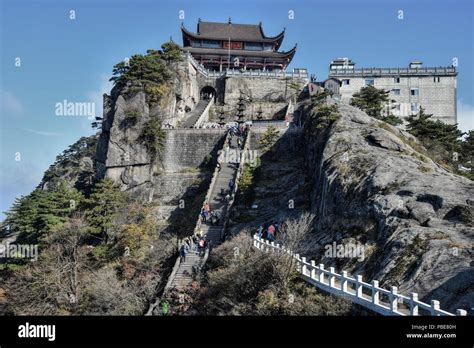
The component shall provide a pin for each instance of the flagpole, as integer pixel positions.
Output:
(228, 59)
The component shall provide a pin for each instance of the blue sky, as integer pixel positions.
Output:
(72, 59)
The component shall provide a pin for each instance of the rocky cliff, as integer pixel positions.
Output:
(371, 184)
(174, 177)
(119, 153)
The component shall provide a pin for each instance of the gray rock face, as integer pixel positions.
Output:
(176, 176)
(414, 218)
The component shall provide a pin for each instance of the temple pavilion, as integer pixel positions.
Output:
(220, 46)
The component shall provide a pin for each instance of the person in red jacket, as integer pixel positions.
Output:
(271, 233)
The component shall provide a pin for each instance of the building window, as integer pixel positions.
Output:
(396, 79)
(396, 107)
(211, 44)
(396, 91)
(268, 47)
(196, 43)
(345, 81)
(369, 82)
(436, 79)
(253, 46)
(414, 92)
(415, 108)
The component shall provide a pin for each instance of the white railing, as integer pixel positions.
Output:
(251, 73)
(368, 295)
(199, 67)
(393, 71)
(266, 73)
(204, 117)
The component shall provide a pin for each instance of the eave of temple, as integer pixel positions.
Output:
(247, 59)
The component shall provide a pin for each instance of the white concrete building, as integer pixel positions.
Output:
(432, 88)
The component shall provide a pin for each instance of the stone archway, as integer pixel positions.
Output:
(208, 92)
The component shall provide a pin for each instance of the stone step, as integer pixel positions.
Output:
(183, 276)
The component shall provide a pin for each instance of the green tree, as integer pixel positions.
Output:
(268, 139)
(319, 98)
(69, 163)
(442, 140)
(423, 127)
(170, 51)
(37, 214)
(102, 207)
(146, 73)
(152, 137)
(322, 116)
(373, 101)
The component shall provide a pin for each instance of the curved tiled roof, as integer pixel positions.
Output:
(236, 32)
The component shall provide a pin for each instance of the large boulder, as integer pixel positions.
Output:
(371, 183)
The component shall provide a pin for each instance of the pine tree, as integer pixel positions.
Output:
(147, 73)
(37, 214)
(171, 52)
(152, 137)
(436, 135)
(268, 139)
(102, 207)
(373, 101)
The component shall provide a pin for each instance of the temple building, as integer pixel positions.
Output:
(220, 46)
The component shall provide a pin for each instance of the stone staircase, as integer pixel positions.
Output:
(185, 272)
(195, 114)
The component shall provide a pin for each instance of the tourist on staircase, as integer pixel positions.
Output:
(195, 242)
(271, 233)
(182, 253)
(260, 231)
(202, 246)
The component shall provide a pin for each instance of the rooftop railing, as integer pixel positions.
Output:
(393, 71)
(248, 73)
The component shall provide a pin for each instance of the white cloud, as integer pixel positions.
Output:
(41, 132)
(10, 103)
(465, 116)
